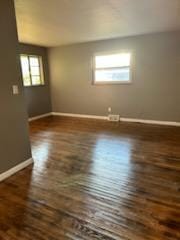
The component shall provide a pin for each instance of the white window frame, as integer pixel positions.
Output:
(40, 69)
(110, 68)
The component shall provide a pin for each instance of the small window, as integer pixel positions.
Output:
(112, 68)
(32, 71)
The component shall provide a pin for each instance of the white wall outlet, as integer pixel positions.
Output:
(15, 89)
(109, 109)
(113, 118)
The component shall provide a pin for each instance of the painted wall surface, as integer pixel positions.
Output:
(37, 98)
(153, 93)
(14, 136)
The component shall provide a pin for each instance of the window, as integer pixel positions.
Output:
(32, 70)
(112, 68)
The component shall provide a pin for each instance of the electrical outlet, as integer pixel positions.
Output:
(113, 118)
(15, 89)
(109, 109)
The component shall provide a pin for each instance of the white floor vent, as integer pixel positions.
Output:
(113, 118)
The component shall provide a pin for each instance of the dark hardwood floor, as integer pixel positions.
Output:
(95, 180)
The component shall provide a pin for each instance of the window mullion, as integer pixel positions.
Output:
(39, 66)
(30, 70)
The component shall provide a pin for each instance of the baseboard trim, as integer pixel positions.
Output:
(79, 115)
(39, 116)
(15, 169)
(135, 120)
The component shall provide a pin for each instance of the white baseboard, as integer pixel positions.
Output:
(177, 124)
(39, 116)
(79, 115)
(135, 120)
(15, 169)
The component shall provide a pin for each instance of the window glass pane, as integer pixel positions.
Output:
(26, 81)
(113, 75)
(34, 61)
(25, 71)
(31, 70)
(36, 80)
(113, 60)
(35, 71)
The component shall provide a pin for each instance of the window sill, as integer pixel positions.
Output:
(32, 86)
(112, 83)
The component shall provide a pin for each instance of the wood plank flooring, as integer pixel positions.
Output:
(95, 180)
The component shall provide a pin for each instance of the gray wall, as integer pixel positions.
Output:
(37, 98)
(153, 94)
(14, 139)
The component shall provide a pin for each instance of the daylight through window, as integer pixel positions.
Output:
(112, 68)
(32, 70)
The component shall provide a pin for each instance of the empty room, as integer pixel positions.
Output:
(90, 120)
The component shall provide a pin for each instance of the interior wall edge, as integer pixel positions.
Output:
(15, 169)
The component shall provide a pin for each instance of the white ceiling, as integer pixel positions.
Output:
(57, 22)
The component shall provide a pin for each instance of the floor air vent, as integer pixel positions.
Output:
(113, 118)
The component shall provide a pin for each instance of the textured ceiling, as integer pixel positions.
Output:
(57, 22)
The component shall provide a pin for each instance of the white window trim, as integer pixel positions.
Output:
(40, 67)
(94, 82)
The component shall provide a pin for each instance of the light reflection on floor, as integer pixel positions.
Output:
(40, 154)
(111, 154)
(108, 149)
